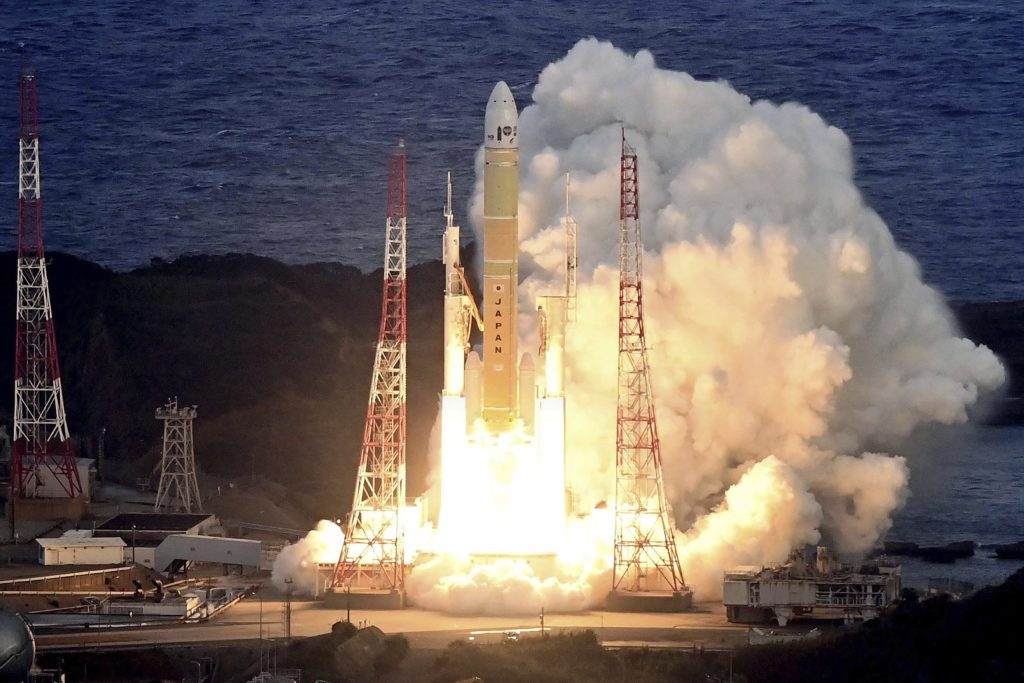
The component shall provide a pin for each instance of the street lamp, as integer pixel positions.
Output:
(133, 543)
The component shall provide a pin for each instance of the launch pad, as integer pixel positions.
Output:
(504, 518)
(649, 601)
(337, 598)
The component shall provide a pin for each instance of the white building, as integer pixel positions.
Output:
(80, 550)
(45, 485)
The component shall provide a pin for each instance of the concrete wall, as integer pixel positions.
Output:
(169, 608)
(72, 554)
(47, 485)
(146, 556)
(735, 592)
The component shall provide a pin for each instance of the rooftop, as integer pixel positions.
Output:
(80, 542)
(153, 521)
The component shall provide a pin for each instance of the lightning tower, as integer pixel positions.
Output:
(42, 443)
(570, 257)
(372, 557)
(646, 562)
(179, 489)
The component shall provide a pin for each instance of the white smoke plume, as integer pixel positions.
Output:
(576, 580)
(790, 338)
(792, 343)
(297, 561)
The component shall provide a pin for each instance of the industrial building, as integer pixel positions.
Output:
(151, 528)
(46, 484)
(825, 587)
(77, 549)
(170, 541)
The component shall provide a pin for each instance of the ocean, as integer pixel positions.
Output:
(231, 126)
(221, 126)
(966, 485)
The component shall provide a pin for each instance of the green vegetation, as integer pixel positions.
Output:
(396, 647)
(568, 658)
(937, 639)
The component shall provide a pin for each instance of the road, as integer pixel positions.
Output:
(252, 619)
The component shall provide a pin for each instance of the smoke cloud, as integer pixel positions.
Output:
(297, 561)
(577, 579)
(793, 345)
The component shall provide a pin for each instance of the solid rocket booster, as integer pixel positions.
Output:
(456, 305)
(501, 259)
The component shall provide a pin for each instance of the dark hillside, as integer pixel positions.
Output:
(277, 357)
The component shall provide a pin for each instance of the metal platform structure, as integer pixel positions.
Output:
(179, 489)
(798, 588)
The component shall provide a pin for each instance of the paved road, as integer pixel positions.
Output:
(249, 620)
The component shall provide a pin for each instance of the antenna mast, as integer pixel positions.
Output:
(570, 257)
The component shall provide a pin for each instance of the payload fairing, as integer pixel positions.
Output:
(503, 418)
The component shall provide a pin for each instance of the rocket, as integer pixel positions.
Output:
(502, 413)
(501, 260)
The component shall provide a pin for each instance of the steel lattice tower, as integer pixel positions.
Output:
(179, 489)
(645, 548)
(373, 553)
(41, 436)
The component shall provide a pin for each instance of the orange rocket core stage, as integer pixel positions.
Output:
(501, 260)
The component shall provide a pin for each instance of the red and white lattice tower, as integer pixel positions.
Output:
(645, 549)
(372, 556)
(41, 438)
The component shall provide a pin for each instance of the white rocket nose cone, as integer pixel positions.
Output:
(501, 120)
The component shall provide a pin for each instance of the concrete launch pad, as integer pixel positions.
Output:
(649, 601)
(364, 599)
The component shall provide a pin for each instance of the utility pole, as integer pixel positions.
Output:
(288, 610)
